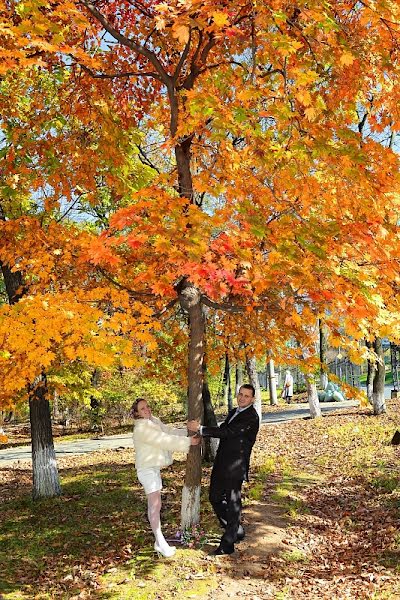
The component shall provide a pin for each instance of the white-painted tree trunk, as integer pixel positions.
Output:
(312, 397)
(376, 376)
(370, 389)
(190, 509)
(251, 367)
(46, 482)
(273, 397)
(214, 443)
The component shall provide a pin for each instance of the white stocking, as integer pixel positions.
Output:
(153, 512)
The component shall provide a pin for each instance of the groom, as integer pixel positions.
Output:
(237, 435)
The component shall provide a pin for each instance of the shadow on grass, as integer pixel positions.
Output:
(60, 546)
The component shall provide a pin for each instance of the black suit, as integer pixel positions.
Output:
(231, 467)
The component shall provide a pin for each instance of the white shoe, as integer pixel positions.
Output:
(166, 551)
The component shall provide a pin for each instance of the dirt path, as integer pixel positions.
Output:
(243, 574)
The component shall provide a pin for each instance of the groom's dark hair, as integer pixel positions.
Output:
(248, 386)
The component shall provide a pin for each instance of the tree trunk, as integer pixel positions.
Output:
(14, 284)
(96, 421)
(312, 397)
(239, 376)
(273, 398)
(210, 444)
(227, 384)
(46, 483)
(190, 299)
(183, 158)
(378, 388)
(251, 367)
(323, 344)
(371, 368)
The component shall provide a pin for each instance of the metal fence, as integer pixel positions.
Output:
(345, 370)
(395, 364)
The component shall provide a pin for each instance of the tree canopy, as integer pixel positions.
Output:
(269, 130)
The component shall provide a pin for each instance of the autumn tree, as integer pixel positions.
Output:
(269, 201)
(48, 323)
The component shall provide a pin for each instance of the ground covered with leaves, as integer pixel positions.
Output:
(321, 515)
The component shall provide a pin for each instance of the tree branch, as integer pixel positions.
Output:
(121, 286)
(182, 58)
(129, 43)
(146, 160)
(221, 306)
(115, 75)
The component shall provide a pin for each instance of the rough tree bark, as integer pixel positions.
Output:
(190, 300)
(273, 398)
(46, 482)
(323, 345)
(239, 376)
(251, 367)
(378, 386)
(312, 397)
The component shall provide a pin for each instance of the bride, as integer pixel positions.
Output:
(154, 443)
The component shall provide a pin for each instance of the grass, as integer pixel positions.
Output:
(288, 493)
(294, 556)
(386, 483)
(337, 478)
(388, 378)
(264, 470)
(128, 583)
(95, 536)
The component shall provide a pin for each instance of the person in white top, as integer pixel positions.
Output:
(288, 387)
(154, 443)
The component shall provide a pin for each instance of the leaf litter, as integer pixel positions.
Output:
(321, 514)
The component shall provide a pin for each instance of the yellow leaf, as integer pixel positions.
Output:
(304, 97)
(181, 32)
(220, 18)
(346, 59)
(310, 113)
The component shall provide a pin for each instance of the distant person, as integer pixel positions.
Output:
(287, 391)
(154, 443)
(237, 435)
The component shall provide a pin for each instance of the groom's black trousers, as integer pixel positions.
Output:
(226, 499)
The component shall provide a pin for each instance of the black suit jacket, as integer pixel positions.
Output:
(236, 442)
